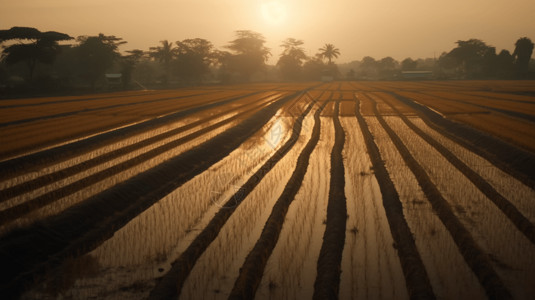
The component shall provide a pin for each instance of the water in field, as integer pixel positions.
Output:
(370, 265)
(291, 269)
(126, 265)
(512, 252)
(127, 262)
(218, 267)
(449, 275)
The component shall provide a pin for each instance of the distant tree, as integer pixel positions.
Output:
(329, 51)
(128, 63)
(145, 71)
(3, 73)
(313, 68)
(33, 46)
(96, 54)
(66, 65)
(350, 74)
(522, 55)
(250, 54)
(222, 61)
(408, 64)
(291, 60)
(469, 57)
(489, 63)
(332, 71)
(165, 55)
(194, 57)
(368, 67)
(504, 64)
(427, 64)
(387, 67)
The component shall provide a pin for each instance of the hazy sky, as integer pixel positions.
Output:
(378, 28)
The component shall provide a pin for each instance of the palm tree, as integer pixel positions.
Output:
(164, 54)
(329, 51)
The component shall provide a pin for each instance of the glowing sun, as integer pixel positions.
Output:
(274, 12)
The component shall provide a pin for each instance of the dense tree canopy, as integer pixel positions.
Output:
(194, 57)
(387, 67)
(38, 58)
(291, 60)
(128, 62)
(522, 55)
(250, 54)
(408, 64)
(32, 46)
(96, 54)
(165, 55)
(469, 57)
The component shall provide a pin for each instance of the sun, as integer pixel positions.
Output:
(274, 12)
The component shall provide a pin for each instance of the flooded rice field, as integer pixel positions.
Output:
(351, 190)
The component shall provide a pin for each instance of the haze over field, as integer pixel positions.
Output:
(410, 28)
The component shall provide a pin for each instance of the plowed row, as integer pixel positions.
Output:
(351, 190)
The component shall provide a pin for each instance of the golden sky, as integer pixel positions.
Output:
(378, 28)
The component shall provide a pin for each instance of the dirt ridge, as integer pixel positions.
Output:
(19, 210)
(327, 283)
(416, 278)
(83, 227)
(71, 113)
(516, 217)
(252, 269)
(35, 161)
(513, 160)
(170, 285)
(73, 99)
(475, 257)
(44, 180)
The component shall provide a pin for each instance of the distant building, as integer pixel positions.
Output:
(414, 75)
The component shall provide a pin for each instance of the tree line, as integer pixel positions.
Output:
(471, 59)
(32, 59)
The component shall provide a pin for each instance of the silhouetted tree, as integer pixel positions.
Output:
(145, 71)
(387, 67)
(426, 64)
(194, 57)
(128, 63)
(33, 46)
(165, 55)
(250, 54)
(66, 65)
(504, 64)
(313, 68)
(408, 64)
(522, 55)
(96, 54)
(469, 57)
(368, 67)
(488, 63)
(350, 74)
(329, 51)
(222, 61)
(291, 60)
